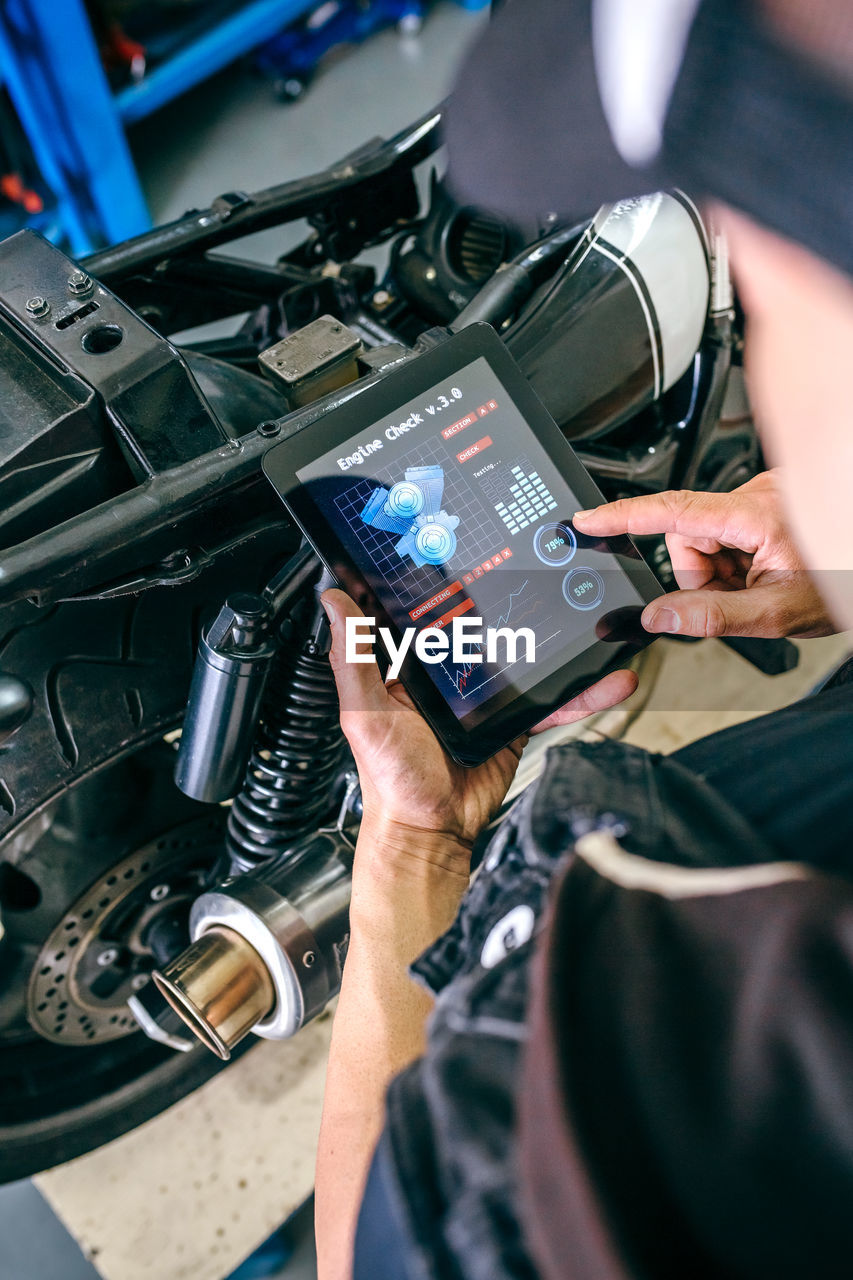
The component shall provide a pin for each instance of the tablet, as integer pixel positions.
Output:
(441, 499)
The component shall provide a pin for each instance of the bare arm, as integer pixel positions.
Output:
(422, 813)
(401, 903)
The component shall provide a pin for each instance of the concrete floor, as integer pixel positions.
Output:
(232, 134)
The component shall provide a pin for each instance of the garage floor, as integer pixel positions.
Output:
(193, 1192)
(231, 133)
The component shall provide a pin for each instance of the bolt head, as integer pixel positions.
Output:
(108, 956)
(79, 282)
(430, 273)
(138, 981)
(381, 298)
(159, 892)
(37, 306)
(247, 606)
(269, 428)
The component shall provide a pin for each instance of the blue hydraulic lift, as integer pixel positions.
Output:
(75, 124)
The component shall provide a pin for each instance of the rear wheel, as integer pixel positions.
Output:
(101, 896)
(100, 858)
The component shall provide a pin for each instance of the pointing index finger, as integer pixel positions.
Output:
(684, 512)
(654, 513)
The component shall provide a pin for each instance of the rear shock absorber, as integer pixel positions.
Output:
(262, 721)
(268, 943)
(296, 753)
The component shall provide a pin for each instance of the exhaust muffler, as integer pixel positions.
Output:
(267, 947)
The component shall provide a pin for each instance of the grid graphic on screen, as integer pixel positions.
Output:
(477, 536)
(519, 495)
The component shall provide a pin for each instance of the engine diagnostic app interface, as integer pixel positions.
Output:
(457, 503)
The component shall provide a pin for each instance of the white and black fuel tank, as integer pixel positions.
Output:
(621, 320)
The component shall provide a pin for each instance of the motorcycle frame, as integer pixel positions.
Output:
(131, 541)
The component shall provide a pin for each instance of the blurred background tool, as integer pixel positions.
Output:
(73, 76)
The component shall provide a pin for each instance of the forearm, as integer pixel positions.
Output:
(406, 890)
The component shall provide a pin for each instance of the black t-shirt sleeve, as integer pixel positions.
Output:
(381, 1252)
(687, 1094)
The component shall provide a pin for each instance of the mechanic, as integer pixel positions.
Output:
(639, 1054)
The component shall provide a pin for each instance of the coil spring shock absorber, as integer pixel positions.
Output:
(268, 944)
(296, 753)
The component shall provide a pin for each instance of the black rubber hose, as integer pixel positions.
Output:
(282, 591)
(513, 283)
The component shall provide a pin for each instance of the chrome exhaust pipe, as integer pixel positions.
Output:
(267, 947)
(220, 987)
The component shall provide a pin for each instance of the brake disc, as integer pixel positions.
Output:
(97, 956)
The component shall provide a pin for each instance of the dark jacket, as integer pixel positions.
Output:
(676, 1095)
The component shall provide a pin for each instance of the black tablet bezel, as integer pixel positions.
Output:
(468, 746)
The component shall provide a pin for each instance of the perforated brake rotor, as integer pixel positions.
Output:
(95, 957)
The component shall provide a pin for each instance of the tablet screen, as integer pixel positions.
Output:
(451, 509)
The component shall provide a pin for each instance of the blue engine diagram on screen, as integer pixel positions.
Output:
(412, 508)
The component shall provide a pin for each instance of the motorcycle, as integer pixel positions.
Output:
(136, 527)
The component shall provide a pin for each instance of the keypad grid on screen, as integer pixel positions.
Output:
(518, 494)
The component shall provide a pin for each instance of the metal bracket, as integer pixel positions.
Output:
(350, 807)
